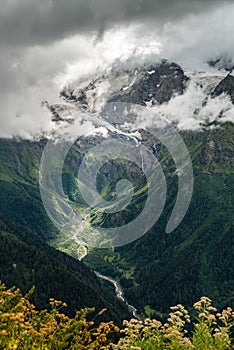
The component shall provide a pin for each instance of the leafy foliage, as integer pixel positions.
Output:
(23, 327)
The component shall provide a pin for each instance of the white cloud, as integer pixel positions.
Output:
(37, 72)
(192, 110)
(198, 38)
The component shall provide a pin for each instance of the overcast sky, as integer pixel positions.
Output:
(44, 44)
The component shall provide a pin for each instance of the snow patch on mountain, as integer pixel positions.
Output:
(195, 109)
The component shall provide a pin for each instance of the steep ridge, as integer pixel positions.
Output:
(26, 261)
(226, 86)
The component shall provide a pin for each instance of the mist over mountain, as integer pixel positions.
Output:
(71, 42)
(188, 99)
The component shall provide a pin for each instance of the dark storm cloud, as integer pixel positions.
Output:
(45, 44)
(26, 22)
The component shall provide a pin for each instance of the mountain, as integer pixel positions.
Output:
(158, 269)
(26, 261)
(197, 258)
(25, 258)
(154, 84)
(226, 86)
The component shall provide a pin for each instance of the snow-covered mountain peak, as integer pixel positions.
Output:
(192, 100)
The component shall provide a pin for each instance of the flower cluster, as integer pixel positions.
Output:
(208, 330)
(22, 327)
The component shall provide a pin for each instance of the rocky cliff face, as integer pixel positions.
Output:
(198, 97)
(226, 86)
(154, 85)
(150, 85)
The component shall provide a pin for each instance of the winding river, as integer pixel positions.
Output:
(75, 237)
(118, 289)
(119, 293)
